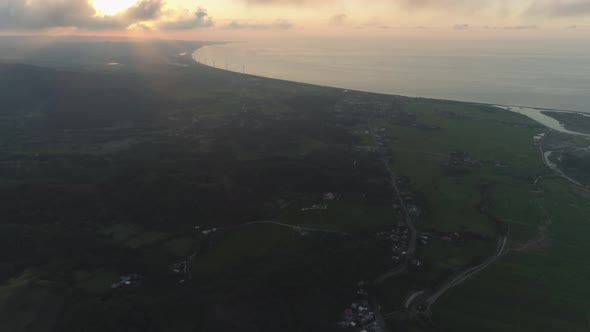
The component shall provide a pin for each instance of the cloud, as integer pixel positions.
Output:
(468, 5)
(283, 24)
(503, 8)
(559, 8)
(43, 14)
(186, 21)
(485, 27)
(145, 10)
(517, 27)
(373, 23)
(39, 14)
(407, 4)
(278, 24)
(283, 2)
(338, 19)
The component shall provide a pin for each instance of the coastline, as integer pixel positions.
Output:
(534, 113)
(444, 73)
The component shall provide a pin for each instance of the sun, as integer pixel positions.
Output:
(112, 7)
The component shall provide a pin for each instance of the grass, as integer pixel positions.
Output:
(121, 232)
(99, 281)
(549, 285)
(517, 205)
(394, 292)
(447, 258)
(453, 200)
(179, 247)
(243, 247)
(27, 306)
(147, 238)
(233, 168)
(347, 215)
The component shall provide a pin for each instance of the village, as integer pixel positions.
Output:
(182, 269)
(359, 316)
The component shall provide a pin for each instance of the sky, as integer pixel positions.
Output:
(243, 19)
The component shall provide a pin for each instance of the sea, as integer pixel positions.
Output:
(547, 74)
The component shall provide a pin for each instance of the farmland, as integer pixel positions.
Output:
(250, 204)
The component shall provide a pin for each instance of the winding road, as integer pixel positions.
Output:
(423, 300)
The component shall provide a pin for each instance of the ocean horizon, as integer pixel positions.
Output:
(537, 74)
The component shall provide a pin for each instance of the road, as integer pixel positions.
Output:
(546, 155)
(295, 227)
(412, 297)
(408, 220)
(427, 299)
(380, 324)
(422, 301)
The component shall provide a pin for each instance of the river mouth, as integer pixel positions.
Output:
(540, 117)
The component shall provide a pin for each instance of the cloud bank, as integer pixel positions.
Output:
(159, 15)
(552, 8)
(43, 14)
(277, 24)
(559, 8)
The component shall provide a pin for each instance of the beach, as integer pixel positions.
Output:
(521, 74)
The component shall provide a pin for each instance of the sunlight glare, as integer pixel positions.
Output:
(112, 7)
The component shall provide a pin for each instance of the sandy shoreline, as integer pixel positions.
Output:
(535, 114)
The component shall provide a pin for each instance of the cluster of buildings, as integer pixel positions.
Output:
(327, 197)
(183, 269)
(400, 242)
(410, 199)
(461, 159)
(209, 231)
(131, 280)
(451, 237)
(359, 314)
(315, 207)
(382, 138)
(399, 237)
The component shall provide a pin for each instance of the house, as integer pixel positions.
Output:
(329, 196)
(348, 315)
(209, 231)
(128, 280)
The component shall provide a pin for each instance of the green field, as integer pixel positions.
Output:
(547, 283)
(107, 173)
